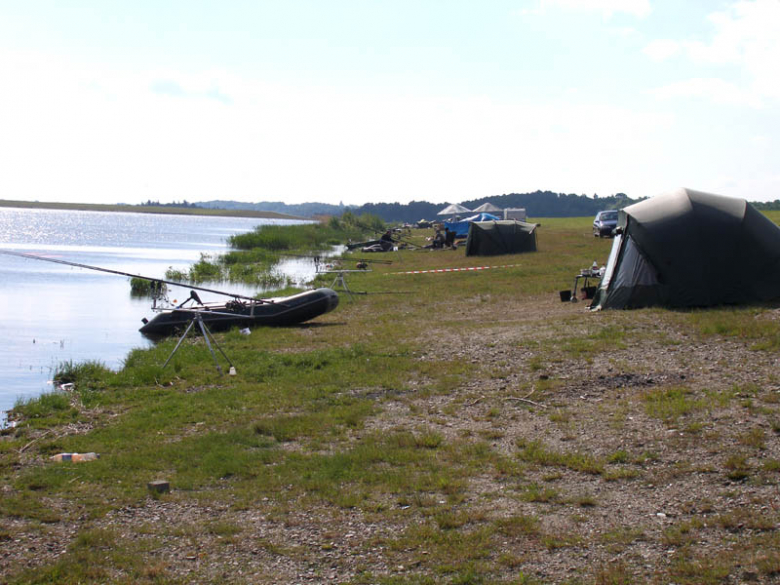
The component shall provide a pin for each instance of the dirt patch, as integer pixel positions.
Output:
(662, 475)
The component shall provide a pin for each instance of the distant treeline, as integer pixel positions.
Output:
(184, 204)
(767, 205)
(299, 210)
(536, 204)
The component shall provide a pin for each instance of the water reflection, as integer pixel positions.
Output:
(54, 313)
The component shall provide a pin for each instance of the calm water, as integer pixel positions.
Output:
(52, 313)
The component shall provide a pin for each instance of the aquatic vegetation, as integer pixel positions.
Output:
(143, 287)
(230, 269)
(178, 275)
(307, 238)
(257, 253)
(79, 372)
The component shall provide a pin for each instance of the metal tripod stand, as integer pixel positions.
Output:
(209, 337)
(341, 280)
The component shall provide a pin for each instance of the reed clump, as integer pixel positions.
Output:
(256, 255)
(309, 237)
(144, 287)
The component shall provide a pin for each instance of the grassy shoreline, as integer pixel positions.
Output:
(145, 209)
(460, 427)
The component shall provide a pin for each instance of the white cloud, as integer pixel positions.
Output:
(716, 90)
(661, 49)
(744, 36)
(753, 187)
(639, 8)
(529, 11)
(744, 33)
(624, 32)
(78, 134)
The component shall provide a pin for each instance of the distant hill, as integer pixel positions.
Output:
(165, 208)
(537, 204)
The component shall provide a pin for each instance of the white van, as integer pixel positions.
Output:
(515, 213)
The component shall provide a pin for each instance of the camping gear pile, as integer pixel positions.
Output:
(461, 227)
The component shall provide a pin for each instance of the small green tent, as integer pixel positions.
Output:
(691, 249)
(491, 238)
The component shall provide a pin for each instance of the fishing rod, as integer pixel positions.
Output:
(312, 257)
(200, 311)
(445, 270)
(370, 260)
(318, 259)
(119, 272)
(376, 231)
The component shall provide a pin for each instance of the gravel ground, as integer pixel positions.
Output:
(666, 510)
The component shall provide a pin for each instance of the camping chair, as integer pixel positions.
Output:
(449, 238)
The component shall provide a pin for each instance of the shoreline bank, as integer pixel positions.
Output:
(119, 208)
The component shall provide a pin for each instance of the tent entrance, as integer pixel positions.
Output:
(634, 284)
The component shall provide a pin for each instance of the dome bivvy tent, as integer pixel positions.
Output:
(493, 238)
(687, 248)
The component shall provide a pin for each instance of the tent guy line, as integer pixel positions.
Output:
(467, 269)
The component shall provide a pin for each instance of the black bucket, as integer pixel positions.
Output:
(565, 296)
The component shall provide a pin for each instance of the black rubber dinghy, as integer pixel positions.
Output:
(278, 312)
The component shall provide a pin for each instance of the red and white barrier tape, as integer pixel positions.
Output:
(467, 269)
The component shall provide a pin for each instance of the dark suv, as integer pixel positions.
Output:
(605, 223)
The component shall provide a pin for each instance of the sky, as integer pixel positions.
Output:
(368, 101)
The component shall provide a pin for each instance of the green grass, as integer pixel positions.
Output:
(616, 573)
(82, 374)
(99, 555)
(737, 467)
(360, 423)
(743, 323)
(689, 568)
(670, 404)
(516, 526)
(539, 494)
(605, 339)
(157, 435)
(536, 452)
(53, 406)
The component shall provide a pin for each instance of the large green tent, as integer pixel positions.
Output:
(491, 238)
(691, 249)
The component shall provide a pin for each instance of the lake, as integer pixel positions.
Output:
(53, 313)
